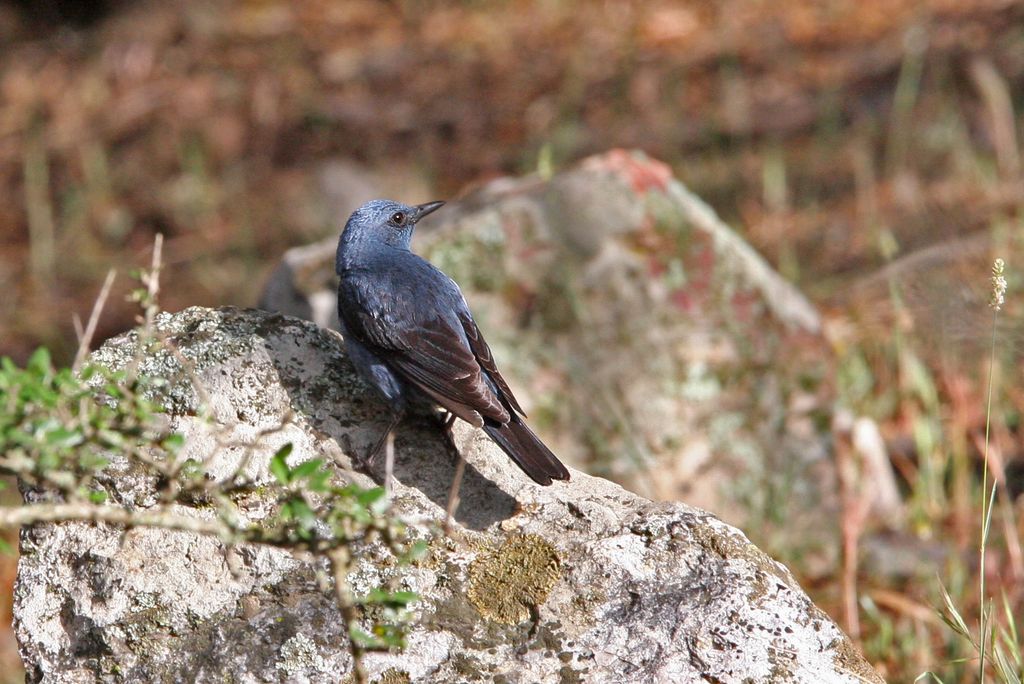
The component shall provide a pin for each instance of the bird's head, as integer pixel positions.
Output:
(386, 221)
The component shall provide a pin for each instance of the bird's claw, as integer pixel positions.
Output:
(360, 462)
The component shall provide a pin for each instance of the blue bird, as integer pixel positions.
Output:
(407, 327)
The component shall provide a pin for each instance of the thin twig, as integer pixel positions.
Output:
(389, 462)
(39, 209)
(150, 308)
(339, 559)
(453, 494)
(14, 517)
(90, 329)
(152, 281)
(997, 465)
(238, 478)
(76, 323)
(854, 514)
(987, 502)
(998, 99)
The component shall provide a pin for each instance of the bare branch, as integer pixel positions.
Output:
(14, 517)
(453, 494)
(152, 281)
(340, 558)
(94, 317)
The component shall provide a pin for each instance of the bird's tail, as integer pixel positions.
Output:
(529, 453)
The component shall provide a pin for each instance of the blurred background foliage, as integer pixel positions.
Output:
(870, 149)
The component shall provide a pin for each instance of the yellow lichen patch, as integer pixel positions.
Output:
(394, 676)
(505, 584)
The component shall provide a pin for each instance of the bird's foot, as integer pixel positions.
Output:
(446, 420)
(362, 462)
(389, 462)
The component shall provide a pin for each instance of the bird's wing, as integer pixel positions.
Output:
(427, 347)
(482, 352)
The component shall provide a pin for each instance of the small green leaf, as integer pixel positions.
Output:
(98, 496)
(63, 438)
(390, 636)
(306, 468)
(111, 438)
(279, 464)
(952, 617)
(303, 513)
(92, 461)
(298, 510)
(391, 599)
(114, 391)
(47, 461)
(363, 639)
(369, 497)
(416, 551)
(173, 442)
(39, 364)
(320, 481)
(192, 469)
(384, 637)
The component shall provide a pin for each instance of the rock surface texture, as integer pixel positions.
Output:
(577, 582)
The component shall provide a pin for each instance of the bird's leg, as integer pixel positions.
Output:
(366, 462)
(460, 469)
(446, 424)
(446, 419)
(453, 493)
(389, 462)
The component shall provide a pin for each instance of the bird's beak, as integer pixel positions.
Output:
(428, 208)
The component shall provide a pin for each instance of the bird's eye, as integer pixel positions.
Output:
(399, 218)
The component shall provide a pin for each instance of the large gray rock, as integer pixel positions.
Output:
(580, 581)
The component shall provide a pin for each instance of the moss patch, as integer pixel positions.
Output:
(730, 546)
(847, 659)
(505, 584)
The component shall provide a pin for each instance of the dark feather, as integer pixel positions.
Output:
(483, 356)
(529, 453)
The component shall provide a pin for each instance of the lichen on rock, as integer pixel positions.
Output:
(508, 583)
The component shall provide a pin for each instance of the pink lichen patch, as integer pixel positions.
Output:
(685, 301)
(694, 295)
(656, 265)
(744, 305)
(658, 250)
(529, 252)
(640, 172)
(701, 263)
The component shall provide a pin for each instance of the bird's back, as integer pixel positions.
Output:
(402, 288)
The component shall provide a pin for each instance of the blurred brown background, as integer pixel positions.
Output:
(854, 143)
